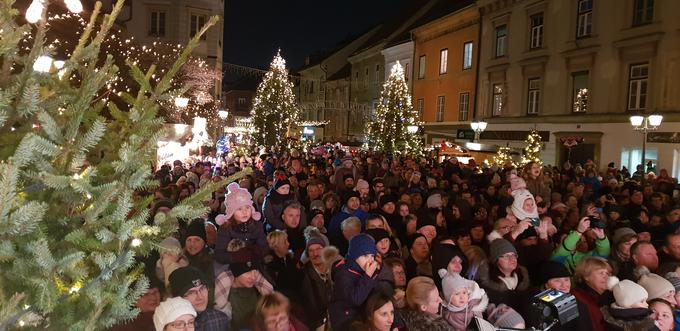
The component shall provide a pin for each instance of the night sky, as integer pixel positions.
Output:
(254, 29)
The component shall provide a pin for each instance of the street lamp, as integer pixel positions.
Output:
(644, 125)
(223, 114)
(412, 129)
(478, 127)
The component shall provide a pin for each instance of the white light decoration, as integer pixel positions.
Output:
(34, 11)
(181, 102)
(43, 64)
(136, 242)
(223, 114)
(636, 120)
(59, 64)
(74, 5)
(412, 129)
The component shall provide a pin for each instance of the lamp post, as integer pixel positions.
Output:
(478, 127)
(645, 124)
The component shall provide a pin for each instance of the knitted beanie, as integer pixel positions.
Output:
(359, 245)
(348, 195)
(378, 234)
(196, 229)
(620, 233)
(361, 184)
(387, 198)
(627, 293)
(517, 183)
(313, 236)
(185, 278)
(552, 269)
(674, 279)
(452, 282)
(171, 309)
(434, 201)
(502, 316)
(500, 247)
(171, 244)
(656, 286)
(236, 198)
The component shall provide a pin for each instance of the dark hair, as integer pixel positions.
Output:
(376, 300)
(665, 302)
(495, 273)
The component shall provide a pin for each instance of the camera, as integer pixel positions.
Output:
(552, 307)
(596, 223)
(535, 221)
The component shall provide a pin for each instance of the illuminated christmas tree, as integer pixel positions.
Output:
(503, 158)
(71, 219)
(275, 113)
(532, 151)
(388, 131)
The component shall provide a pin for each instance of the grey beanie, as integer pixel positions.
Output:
(500, 247)
(674, 279)
(502, 316)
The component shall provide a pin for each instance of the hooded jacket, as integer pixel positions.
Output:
(351, 288)
(631, 319)
(419, 321)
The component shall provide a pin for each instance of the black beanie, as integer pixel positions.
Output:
(196, 229)
(280, 183)
(528, 233)
(350, 194)
(387, 198)
(442, 254)
(378, 234)
(185, 278)
(552, 269)
(412, 239)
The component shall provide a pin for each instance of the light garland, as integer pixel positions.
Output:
(503, 158)
(532, 150)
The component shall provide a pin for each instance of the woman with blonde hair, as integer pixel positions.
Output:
(273, 314)
(423, 306)
(592, 276)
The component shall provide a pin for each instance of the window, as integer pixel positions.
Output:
(356, 79)
(637, 87)
(533, 96)
(241, 101)
(197, 22)
(584, 24)
(421, 67)
(463, 106)
(580, 94)
(440, 108)
(420, 107)
(406, 72)
(157, 26)
(536, 40)
(497, 107)
(643, 12)
(443, 60)
(377, 73)
(501, 40)
(467, 55)
(366, 78)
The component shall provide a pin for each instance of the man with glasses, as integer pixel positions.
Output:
(189, 283)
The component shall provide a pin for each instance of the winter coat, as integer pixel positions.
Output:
(420, 321)
(334, 229)
(497, 291)
(285, 274)
(272, 208)
(631, 319)
(250, 232)
(538, 187)
(532, 257)
(567, 254)
(459, 318)
(351, 288)
(316, 295)
(593, 301)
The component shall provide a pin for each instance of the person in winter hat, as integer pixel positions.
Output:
(277, 198)
(171, 259)
(502, 316)
(240, 221)
(630, 311)
(354, 278)
(657, 287)
(449, 257)
(176, 312)
(190, 283)
(523, 204)
(434, 201)
(463, 300)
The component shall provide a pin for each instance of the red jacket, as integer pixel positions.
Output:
(593, 301)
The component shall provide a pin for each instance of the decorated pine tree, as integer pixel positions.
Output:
(532, 150)
(276, 115)
(71, 163)
(503, 158)
(389, 132)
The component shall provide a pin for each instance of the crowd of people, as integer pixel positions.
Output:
(344, 241)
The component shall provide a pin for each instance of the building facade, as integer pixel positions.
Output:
(580, 69)
(175, 22)
(445, 76)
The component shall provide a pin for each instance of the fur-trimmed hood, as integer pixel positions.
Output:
(419, 321)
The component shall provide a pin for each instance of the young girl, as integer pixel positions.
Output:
(240, 221)
(464, 300)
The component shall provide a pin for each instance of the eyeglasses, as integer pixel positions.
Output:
(509, 256)
(193, 293)
(181, 325)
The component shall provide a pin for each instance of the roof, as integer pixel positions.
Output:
(396, 24)
(440, 9)
(344, 72)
